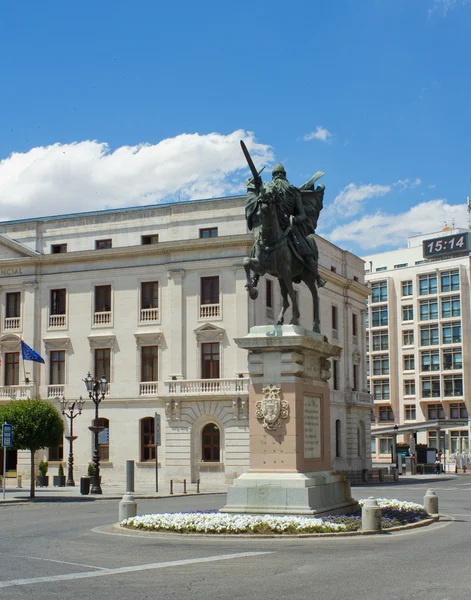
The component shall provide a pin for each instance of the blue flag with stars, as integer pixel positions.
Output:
(29, 354)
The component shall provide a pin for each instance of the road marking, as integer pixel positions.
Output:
(62, 562)
(131, 569)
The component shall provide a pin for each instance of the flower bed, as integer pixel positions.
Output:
(395, 513)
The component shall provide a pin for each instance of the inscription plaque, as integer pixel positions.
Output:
(312, 427)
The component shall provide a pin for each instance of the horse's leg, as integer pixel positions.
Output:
(309, 279)
(284, 304)
(251, 263)
(288, 281)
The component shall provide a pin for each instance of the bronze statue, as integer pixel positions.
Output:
(283, 219)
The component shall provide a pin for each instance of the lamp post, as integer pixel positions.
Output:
(68, 409)
(394, 452)
(96, 389)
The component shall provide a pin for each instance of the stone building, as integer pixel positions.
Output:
(152, 298)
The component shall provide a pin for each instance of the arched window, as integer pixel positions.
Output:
(210, 443)
(338, 438)
(147, 439)
(104, 439)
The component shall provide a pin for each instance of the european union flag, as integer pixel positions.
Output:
(29, 354)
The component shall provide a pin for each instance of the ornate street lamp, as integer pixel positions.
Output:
(68, 409)
(96, 389)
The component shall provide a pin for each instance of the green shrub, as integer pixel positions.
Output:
(43, 467)
(60, 470)
(90, 470)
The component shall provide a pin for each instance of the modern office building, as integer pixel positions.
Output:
(152, 298)
(418, 340)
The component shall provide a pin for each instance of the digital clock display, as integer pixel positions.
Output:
(450, 244)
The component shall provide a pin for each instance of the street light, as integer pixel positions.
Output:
(96, 389)
(394, 453)
(68, 409)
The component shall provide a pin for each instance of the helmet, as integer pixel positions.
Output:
(278, 168)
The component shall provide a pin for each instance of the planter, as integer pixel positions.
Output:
(42, 480)
(58, 480)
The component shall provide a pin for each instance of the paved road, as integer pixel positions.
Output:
(62, 550)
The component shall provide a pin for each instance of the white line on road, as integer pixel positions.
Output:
(62, 562)
(131, 569)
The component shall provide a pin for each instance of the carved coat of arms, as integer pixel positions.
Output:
(272, 408)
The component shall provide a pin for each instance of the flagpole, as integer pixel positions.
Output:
(23, 361)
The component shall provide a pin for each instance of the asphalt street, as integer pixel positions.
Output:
(67, 549)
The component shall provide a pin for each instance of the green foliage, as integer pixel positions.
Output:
(36, 424)
(43, 467)
(60, 470)
(90, 470)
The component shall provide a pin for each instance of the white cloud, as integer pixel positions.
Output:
(408, 183)
(88, 175)
(445, 5)
(321, 134)
(349, 201)
(378, 230)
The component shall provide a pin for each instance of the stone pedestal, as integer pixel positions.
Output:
(289, 403)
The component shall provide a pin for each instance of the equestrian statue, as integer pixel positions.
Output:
(283, 219)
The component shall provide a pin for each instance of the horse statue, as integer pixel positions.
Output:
(276, 250)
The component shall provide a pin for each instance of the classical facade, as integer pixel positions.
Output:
(151, 298)
(418, 336)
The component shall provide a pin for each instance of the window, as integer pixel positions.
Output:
(380, 364)
(409, 412)
(355, 378)
(401, 266)
(354, 324)
(58, 301)
(435, 411)
(428, 284)
(451, 333)
(453, 385)
(408, 337)
(408, 312)
(367, 319)
(430, 387)
(338, 438)
(149, 363)
(210, 290)
(409, 362)
(335, 324)
(102, 298)
(102, 363)
(335, 374)
(333, 269)
(147, 439)
(381, 268)
(429, 335)
(381, 389)
(58, 248)
(209, 232)
(430, 361)
(104, 439)
(367, 367)
(451, 307)
(56, 454)
(380, 340)
(210, 360)
(379, 291)
(458, 411)
(367, 340)
(452, 359)
(269, 293)
(210, 443)
(386, 413)
(13, 305)
(428, 309)
(355, 278)
(450, 280)
(459, 441)
(379, 316)
(409, 387)
(102, 244)
(147, 240)
(149, 295)
(419, 262)
(385, 445)
(407, 288)
(57, 367)
(12, 368)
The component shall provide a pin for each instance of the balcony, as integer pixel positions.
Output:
(149, 388)
(210, 311)
(207, 387)
(15, 392)
(12, 323)
(55, 391)
(150, 315)
(102, 318)
(57, 321)
(359, 399)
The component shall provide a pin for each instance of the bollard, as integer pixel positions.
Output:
(184, 486)
(18, 481)
(431, 502)
(127, 507)
(198, 486)
(171, 486)
(130, 476)
(381, 475)
(395, 474)
(371, 515)
(364, 475)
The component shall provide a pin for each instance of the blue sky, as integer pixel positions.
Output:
(108, 104)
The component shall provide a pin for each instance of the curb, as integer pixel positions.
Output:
(90, 498)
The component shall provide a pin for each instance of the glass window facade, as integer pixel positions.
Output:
(429, 335)
(430, 387)
(379, 316)
(450, 280)
(451, 333)
(407, 288)
(428, 284)
(429, 309)
(430, 360)
(451, 307)
(379, 291)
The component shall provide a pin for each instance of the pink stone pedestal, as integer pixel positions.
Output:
(289, 403)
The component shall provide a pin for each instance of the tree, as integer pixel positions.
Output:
(36, 424)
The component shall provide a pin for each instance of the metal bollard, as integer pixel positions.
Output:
(171, 487)
(395, 474)
(381, 475)
(371, 515)
(128, 506)
(198, 486)
(18, 481)
(364, 475)
(184, 486)
(130, 476)
(431, 502)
